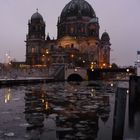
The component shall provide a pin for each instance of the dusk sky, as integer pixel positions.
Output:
(120, 18)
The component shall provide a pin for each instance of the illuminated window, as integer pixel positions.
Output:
(47, 51)
(33, 50)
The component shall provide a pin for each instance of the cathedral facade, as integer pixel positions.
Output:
(78, 41)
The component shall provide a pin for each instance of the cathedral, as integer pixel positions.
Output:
(78, 41)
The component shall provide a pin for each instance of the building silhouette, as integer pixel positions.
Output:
(78, 41)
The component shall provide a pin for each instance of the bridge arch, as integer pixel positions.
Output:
(74, 77)
(75, 74)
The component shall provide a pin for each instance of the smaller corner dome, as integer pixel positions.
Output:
(36, 16)
(94, 20)
(105, 37)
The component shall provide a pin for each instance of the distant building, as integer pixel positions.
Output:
(78, 42)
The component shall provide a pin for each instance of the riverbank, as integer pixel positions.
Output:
(25, 80)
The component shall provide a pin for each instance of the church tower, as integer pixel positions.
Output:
(35, 39)
(105, 50)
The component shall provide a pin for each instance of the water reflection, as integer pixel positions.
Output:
(61, 111)
(7, 97)
(36, 105)
(75, 108)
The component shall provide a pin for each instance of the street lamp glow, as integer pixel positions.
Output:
(127, 70)
(111, 85)
(72, 55)
(47, 52)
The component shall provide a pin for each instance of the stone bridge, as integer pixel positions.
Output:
(76, 73)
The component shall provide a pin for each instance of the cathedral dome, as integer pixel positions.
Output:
(77, 8)
(105, 37)
(36, 16)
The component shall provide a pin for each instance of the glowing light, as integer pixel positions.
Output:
(93, 92)
(7, 98)
(92, 65)
(7, 95)
(75, 70)
(72, 55)
(46, 105)
(47, 52)
(111, 84)
(110, 66)
(127, 70)
(75, 90)
(43, 100)
(127, 91)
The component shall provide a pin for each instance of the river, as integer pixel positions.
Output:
(62, 111)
